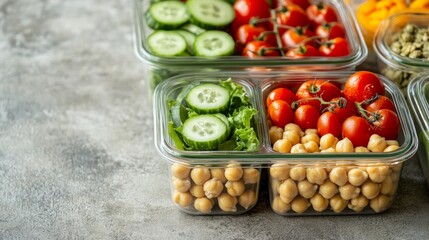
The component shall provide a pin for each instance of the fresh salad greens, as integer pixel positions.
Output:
(209, 116)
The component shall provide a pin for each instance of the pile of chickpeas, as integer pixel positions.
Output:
(332, 187)
(207, 190)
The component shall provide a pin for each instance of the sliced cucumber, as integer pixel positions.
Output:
(193, 29)
(189, 38)
(167, 15)
(210, 14)
(224, 120)
(204, 132)
(214, 44)
(167, 43)
(208, 98)
(178, 114)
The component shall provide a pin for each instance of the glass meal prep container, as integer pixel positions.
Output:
(402, 46)
(158, 68)
(299, 183)
(418, 96)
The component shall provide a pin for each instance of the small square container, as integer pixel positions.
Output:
(400, 59)
(158, 68)
(418, 96)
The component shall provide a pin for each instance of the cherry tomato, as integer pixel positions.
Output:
(363, 85)
(246, 9)
(247, 33)
(291, 16)
(382, 102)
(280, 113)
(386, 124)
(329, 122)
(317, 88)
(296, 36)
(336, 47)
(259, 48)
(304, 4)
(358, 130)
(302, 51)
(321, 13)
(330, 31)
(306, 116)
(281, 94)
(343, 112)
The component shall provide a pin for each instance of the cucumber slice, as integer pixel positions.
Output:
(214, 44)
(204, 132)
(167, 15)
(208, 98)
(178, 114)
(189, 38)
(166, 43)
(211, 14)
(193, 29)
(224, 120)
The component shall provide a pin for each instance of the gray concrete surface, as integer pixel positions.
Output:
(77, 159)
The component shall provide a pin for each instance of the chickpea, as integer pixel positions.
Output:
(203, 204)
(279, 171)
(370, 189)
(275, 185)
(200, 175)
(310, 137)
(275, 133)
(285, 199)
(319, 203)
(394, 189)
(233, 172)
(386, 185)
(300, 204)
(181, 185)
(227, 202)
(328, 150)
(311, 147)
(376, 143)
(180, 171)
(197, 191)
(250, 175)
(282, 146)
(218, 173)
(357, 177)
(337, 203)
(183, 199)
(344, 145)
(380, 203)
(292, 136)
(235, 188)
(213, 188)
(306, 189)
(328, 189)
(391, 148)
(377, 174)
(397, 167)
(247, 199)
(328, 141)
(294, 127)
(394, 176)
(316, 175)
(288, 189)
(358, 204)
(392, 143)
(298, 148)
(338, 175)
(297, 173)
(349, 191)
(311, 131)
(279, 206)
(361, 149)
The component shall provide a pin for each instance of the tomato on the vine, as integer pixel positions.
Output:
(329, 122)
(302, 51)
(247, 33)
(259, 48)
(291, 16)
(343, 109)
(296, 36)
(281, 94)
(362, 86)
(336, 47)
(321, 13)
(302, 3)
(358, 130)
(306, 116)
(382, 102)
(245, 10)
(386, 124)
(330, 31)
(317, 88)
(280, 113)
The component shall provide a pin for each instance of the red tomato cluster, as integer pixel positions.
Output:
(357, 111)
(303, 28)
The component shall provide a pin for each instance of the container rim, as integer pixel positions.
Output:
(266, 158)
(419, 101)
(359, 54)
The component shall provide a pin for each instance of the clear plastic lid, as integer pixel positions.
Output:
(358, 49)
(258, 85)
(418, 94)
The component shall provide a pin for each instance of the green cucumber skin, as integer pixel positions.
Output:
(156, 25)
(189, 38)
(178, 115)
(193, 29)
(204, 145)
(224, 120)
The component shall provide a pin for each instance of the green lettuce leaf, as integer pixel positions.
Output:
(246, 139)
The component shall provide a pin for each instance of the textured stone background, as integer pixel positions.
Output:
(76, 142)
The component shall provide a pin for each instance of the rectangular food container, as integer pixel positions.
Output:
(402, 50)
(158, 68)
(418, 96)
(304, 176)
